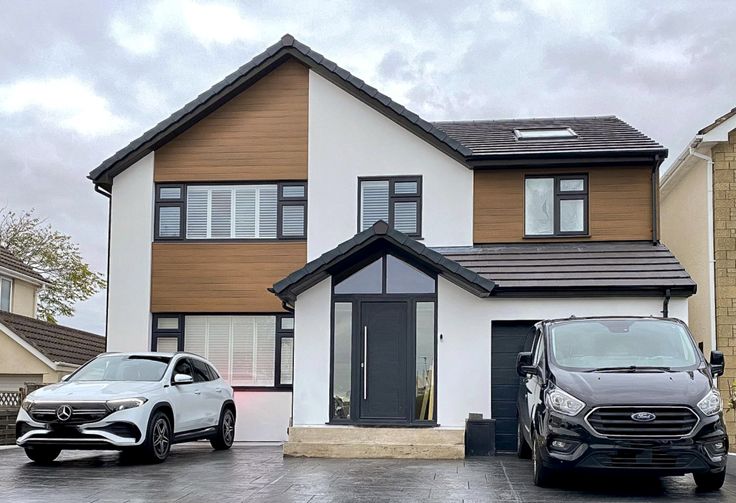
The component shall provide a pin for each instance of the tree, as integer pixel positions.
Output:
(56, 257)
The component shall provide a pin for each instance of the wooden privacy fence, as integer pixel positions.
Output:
(9, 404)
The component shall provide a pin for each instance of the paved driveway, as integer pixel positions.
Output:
(195, 473)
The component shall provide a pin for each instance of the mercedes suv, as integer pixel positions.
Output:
(621, 394)
(139, 403)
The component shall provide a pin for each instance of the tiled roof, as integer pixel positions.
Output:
(594, 135)
(720, 120)
(11, 262)
(321, 267)
(602, 268)
(58, 343)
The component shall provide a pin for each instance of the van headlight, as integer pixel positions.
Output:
(711, 404)
(125, 403)
(562, 402)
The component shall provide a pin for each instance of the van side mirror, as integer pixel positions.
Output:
(524, 364)
(717, 363)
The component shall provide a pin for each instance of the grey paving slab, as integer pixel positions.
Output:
(195, 474)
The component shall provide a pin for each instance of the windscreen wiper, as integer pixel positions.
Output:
(631, 368)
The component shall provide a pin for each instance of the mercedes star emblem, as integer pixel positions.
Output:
(64, 412)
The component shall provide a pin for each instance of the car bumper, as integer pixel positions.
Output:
(118, 430)
(567, 443)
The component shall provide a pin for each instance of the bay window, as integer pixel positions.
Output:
(555, 205)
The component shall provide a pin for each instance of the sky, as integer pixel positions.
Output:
(81, 79)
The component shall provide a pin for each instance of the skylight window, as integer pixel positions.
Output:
(545, 134)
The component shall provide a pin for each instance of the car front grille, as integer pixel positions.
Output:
(644, 459)
(81, 412)
(619, 421)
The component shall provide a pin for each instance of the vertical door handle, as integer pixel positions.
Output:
(365, 362)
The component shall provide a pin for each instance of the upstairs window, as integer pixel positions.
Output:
(257, 211)
(556, 206)
(395, 200)
(5, 292)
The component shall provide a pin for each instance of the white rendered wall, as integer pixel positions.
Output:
(464, 353)
(312, 355)
(131, 234)
(348, 139)
(262, 416)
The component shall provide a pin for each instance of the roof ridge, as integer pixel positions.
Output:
(519, 119)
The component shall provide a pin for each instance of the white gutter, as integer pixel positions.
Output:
(711, 246)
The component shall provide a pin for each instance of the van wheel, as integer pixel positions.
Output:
(710, 481)
(522, 446)
(542, 475)
(158, 439)
(225, 435)
(42, 455)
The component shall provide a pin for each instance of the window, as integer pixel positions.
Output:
(425, 374)
(395, 200)
(387, 274)
(341, 360)
(556, 205)
(167, 333)
(285, 351)
(545, 134)
(201, 372)
(6, 286)
(257, 211)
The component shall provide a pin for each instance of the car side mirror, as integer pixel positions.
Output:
(183, 379)
(65, 377)
(524, 364)
(717, 363)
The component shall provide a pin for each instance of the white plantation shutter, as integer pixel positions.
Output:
(242, 348)
(292, 220)
(197, 204)
(167, 344)
(405, 217)
(245, 212)
(267, 211)
(169, 221)
(287, 360)
(374, 202)
(221, 213)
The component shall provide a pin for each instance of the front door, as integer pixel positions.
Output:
(383, 361)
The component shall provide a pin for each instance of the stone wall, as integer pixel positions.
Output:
(724, 206)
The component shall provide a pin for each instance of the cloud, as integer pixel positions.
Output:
(66, 101)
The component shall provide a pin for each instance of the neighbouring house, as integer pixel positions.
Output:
(32, 350)
(345, 263)
(698, 199)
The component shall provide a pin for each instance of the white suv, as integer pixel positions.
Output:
(134, 402)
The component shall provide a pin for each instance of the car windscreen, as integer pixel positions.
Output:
(123, 368)
(618, 343)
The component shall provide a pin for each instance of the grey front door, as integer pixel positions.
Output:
(383, 361)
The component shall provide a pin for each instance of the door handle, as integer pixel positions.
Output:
(197, 392)
(218, 390)
(365, 362)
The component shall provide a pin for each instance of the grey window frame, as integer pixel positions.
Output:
(181, 203)
(394, 198)
(282, 333)
(10, 292)
(558, 196)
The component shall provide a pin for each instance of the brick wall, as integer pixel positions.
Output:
(724, 206)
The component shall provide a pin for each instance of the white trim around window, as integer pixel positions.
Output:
(6, 294)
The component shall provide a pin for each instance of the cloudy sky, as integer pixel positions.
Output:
(80, 79)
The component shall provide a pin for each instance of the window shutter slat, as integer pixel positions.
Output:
(267, 211)
(218, 344)
(245, 212)
(292, 221)
(265, 358)
(167, 344)
(243, 334)
(195, 335)
(405, 217)
(220, 226)
(374, 202)
(287, 360)
(197, 212)
(169, 221)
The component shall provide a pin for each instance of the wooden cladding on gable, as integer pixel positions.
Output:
(221, 277)
(261, 134)
(620, 204)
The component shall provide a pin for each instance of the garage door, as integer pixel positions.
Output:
(507, 341)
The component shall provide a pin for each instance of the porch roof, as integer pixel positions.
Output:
(315, 271)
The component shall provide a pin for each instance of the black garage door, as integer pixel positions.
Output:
(507, 340)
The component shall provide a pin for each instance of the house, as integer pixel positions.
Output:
(345, 263)
(32, 350)
(699, 225)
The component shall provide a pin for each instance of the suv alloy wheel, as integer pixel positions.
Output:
(225, 435)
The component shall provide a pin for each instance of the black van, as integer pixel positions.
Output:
(621, 393)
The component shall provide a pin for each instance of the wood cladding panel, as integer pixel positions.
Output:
(261, 134)
(221, 277)
(619, 204)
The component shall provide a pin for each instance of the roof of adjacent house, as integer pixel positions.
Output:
(12, 263)
(592, 135)
(594, 267)
(462, 140)
(58, 343)
(723, 118)
(379, 234)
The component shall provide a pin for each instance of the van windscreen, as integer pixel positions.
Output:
(621, 343)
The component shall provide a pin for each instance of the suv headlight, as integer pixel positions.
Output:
(125, 403)
(711, 404)
(562, 402)
(27, 404)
